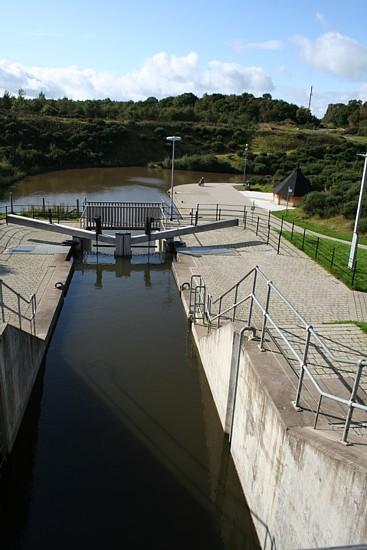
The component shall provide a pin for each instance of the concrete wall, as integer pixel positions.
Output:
(303, 490)
(21, 354)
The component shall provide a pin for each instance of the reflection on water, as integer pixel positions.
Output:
(124, 449)
(110, 184)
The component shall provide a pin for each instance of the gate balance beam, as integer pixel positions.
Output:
(59, 228)
(187, 230)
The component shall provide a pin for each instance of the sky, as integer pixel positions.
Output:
(142, 48)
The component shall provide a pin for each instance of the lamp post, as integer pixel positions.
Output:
(354, 246)
(173, 139)
(244, 168)
(289, 190)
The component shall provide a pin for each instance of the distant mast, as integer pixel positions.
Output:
(309, 100)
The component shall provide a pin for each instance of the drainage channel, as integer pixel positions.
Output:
(121, 446)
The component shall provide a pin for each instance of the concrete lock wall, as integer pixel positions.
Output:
(301, 490)
(20, 356)
(21, 353)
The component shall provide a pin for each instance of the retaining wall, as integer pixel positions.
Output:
(21, 354)
(304, 489)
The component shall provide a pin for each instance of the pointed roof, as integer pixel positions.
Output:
(297, 182)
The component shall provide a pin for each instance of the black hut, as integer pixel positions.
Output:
(292, 189)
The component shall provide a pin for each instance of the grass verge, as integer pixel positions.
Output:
(333, 257)
(322, 226)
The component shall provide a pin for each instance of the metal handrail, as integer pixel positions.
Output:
(235, 286)
(31, 302)
(351, 403)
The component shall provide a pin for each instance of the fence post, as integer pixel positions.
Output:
(292, 231)
(43, 205)
(280, 235)
(267, 240)
(332, 258)
(216, 212)
(235, 302)
(50, 215)
(2, 301)
(77, 207)
(302, 373)
(257, 225)
(317, 246)
(11, 203)
(303, 240)
(58, 214)
(361, 364)
(252, 299)
(354, 272)
(265, 314)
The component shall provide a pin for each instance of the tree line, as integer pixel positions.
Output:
(43, 134)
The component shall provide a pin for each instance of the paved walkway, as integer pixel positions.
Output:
(225, 256)
(27, 263)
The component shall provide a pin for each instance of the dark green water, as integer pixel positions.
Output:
(121, 447)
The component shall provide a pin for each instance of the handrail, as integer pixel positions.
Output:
(234, 286)
(302, 360)
(31, 302)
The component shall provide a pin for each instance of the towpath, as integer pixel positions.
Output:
(223, 257)
(28, 260)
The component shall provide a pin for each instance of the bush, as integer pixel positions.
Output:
(314, 203)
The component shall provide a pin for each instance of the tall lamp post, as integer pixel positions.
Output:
(354, 246)
(244, 168)
(173, 139)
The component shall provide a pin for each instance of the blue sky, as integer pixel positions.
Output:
(136, 49)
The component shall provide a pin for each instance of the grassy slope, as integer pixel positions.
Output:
(334, 258)
(337, 227)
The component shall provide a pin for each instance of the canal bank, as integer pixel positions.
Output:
(304, 487)
(35, 275)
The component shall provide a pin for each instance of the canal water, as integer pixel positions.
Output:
(121, 446)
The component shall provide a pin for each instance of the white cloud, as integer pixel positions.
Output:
(335, 53)
(241, 46)
(161, 75)
(320, 17)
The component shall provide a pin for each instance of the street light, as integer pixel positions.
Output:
(244, 168)
(354, 246)
(173, 139)
(289, 190)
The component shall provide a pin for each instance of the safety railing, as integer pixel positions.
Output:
(21, 303)
(198, 298)
(202, 306)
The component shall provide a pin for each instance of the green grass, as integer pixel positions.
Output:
(333, 257)
(319, 226)
(359, 324)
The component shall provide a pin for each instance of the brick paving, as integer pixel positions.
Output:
(224, 256)
(29, 271)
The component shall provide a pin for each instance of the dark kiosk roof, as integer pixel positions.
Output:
(296, 181)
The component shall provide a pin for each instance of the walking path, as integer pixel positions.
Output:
(223, 257)
(28, 259)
